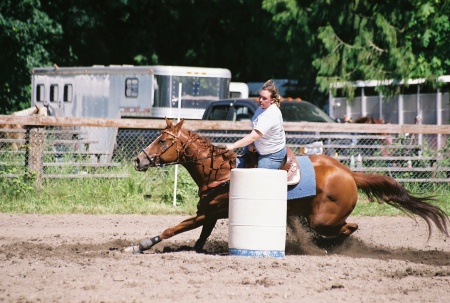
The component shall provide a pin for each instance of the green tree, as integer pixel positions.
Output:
(366, 40)
(236, 34)
(26, 38)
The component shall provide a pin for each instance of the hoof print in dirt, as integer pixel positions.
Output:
(168, 249)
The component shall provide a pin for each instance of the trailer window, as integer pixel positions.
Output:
(40, 92)
(54, 90)
(67, 97)
(197, 92)
(131, 87)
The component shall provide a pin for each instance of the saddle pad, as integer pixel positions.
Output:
(307, 185)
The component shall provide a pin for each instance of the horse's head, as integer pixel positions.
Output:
(163, 150)
(369, 120)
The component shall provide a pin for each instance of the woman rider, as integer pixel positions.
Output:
(267, 137)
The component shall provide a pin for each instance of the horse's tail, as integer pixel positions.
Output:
(383, 188)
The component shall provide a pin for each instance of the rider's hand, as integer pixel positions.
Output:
(251, 148)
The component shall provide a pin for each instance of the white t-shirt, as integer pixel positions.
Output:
(269, 122)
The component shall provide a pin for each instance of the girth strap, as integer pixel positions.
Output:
(215, 184)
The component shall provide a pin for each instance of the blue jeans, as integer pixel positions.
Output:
(272, 161)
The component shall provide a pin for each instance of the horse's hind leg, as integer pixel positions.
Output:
(335, 236)
(332, 230)
(347, 229)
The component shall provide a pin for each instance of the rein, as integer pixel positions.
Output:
(176, 162)
(166, 148)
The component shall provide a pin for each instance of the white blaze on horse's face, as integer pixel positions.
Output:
(161, 151)
(145, 159)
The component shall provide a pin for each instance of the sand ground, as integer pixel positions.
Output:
(78, 258)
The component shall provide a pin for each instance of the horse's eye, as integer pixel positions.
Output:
(162, 141)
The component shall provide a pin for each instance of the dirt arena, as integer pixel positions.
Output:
(77, 258)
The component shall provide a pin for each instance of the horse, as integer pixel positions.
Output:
(16, 132)
(364, 119)
(385, 140)
(324, 213)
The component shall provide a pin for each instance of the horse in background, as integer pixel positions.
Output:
(364, 119)
(17, 131)
(386, 139)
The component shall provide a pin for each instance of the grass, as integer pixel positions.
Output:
(366, 208)
(143, 193)
(440, 191)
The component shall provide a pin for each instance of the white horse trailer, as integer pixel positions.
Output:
(127, 92)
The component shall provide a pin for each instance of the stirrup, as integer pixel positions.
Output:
(293, 175)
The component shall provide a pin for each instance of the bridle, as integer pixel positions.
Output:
(156, 160)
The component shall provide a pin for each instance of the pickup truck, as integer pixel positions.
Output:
(293, 111)
(243, 109)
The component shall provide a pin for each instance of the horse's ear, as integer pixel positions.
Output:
(168, 122)
(40, 111)
(382, 119)
(180, 124)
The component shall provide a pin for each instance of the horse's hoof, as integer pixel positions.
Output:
(133, 249)
(199, 250)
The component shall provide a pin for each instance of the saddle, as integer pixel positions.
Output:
(289, 164)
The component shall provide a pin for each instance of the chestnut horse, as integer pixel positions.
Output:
(325, 213)
(364, 120)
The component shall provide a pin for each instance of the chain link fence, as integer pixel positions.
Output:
(108, 152)
(59, 152)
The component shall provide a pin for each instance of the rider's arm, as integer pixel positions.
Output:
(248, 139)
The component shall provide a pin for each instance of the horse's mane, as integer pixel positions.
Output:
(206, 143)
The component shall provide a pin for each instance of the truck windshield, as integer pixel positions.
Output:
(303, 111)
(196, 91)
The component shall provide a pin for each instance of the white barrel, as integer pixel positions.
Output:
(257, 212)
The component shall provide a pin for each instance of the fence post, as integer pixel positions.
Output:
(35, 152)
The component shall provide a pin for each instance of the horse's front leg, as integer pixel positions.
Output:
(186, 225)
(207, 229)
